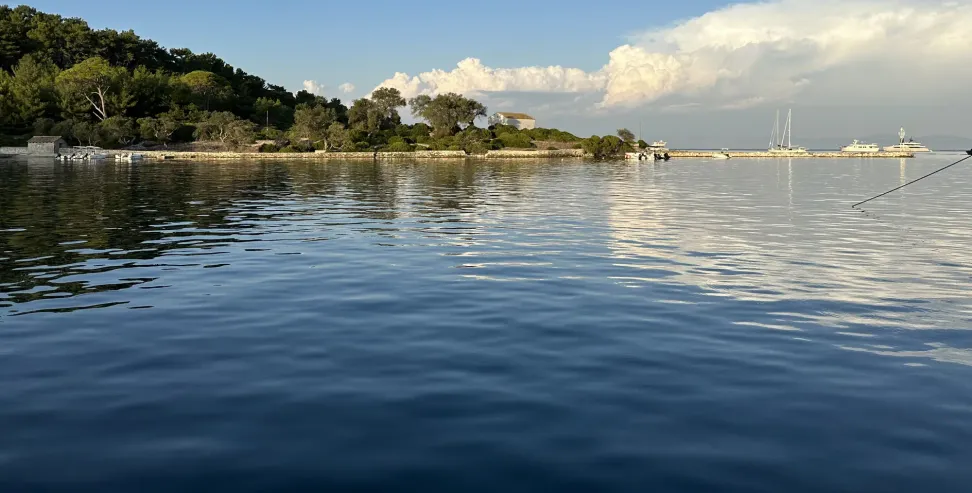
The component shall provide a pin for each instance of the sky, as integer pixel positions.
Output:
(694, 72)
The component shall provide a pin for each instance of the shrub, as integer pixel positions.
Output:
(269, 148)
(269, 133)
(552, 148)
(303, 146)
(476, 148)
(361, 146)
(516, 140)
(399, 147)
(288, 149)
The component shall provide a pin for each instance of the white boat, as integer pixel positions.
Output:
(777, 139)
(92, 153)
(858, 146)
(722, 154)
(909, 146)
(128, 157)
(658, 145)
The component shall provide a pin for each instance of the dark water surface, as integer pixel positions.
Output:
(689, 326)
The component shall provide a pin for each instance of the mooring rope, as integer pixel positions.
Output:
(969, 152)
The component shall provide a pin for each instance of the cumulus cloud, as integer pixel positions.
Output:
(346, 88)
(750, 54)
(471, 76)
(313, 87)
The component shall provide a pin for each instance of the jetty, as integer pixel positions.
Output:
(794, 154)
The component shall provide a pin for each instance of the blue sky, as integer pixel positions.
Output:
(287, 41)
(693, 72)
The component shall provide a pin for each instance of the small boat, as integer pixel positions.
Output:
(722, 154)
(909, 146)
(128, 157)
(92, 153)
(858, 146)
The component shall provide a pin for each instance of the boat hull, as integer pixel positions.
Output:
(906, 149)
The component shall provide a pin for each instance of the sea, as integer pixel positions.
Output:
(482, 326)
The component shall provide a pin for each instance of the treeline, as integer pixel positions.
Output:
(113, 89)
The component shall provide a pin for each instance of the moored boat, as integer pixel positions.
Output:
(776, 138)
(909, 146)
(858, 146)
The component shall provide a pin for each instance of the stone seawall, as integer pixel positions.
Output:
(527, 153)
(283, 156)
(15, 151)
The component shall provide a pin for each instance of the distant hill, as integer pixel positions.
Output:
(934, 142)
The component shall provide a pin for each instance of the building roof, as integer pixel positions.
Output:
(516, 116)
(44, 139)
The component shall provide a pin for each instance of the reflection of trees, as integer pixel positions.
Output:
(59, 220)
(54, 217)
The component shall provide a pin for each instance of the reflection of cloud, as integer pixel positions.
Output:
(728, 229)
(747, 54)
(941, 353)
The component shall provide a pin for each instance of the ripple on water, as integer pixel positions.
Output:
(686, 326)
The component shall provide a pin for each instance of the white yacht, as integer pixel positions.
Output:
(858, 146)
(658, 145)
(909, 146)
(777, 139)
(722, 154)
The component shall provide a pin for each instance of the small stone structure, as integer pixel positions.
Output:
(45, 145)
(13, 151)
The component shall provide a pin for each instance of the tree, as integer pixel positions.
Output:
(160, 129)
(205, 87)
(86, 133)
(240, 132)
(626, 135)
(224, 127)
(32, 87)
(365, 115)
(312, 122)
(151, 91)
(118, 130)
(602, 147)
(386, 101)
(447, 113)
(101, 85)
(337, 137)
(7, 106)
(270, 111)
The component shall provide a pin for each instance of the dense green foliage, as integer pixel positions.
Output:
(113, 89)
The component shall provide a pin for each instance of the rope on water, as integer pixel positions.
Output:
(969, 152)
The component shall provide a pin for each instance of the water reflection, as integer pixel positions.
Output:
(728, 230)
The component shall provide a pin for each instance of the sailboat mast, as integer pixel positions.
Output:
(774, 134)
(789, 128)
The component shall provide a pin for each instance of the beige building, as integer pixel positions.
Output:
(521, 121)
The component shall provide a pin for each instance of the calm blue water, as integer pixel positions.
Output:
(688, 326)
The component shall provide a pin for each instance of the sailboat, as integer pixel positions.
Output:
(775, 146)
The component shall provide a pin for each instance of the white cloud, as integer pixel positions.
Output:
(313, 87)
(832, 51)
(346, 88)
(471, 76)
